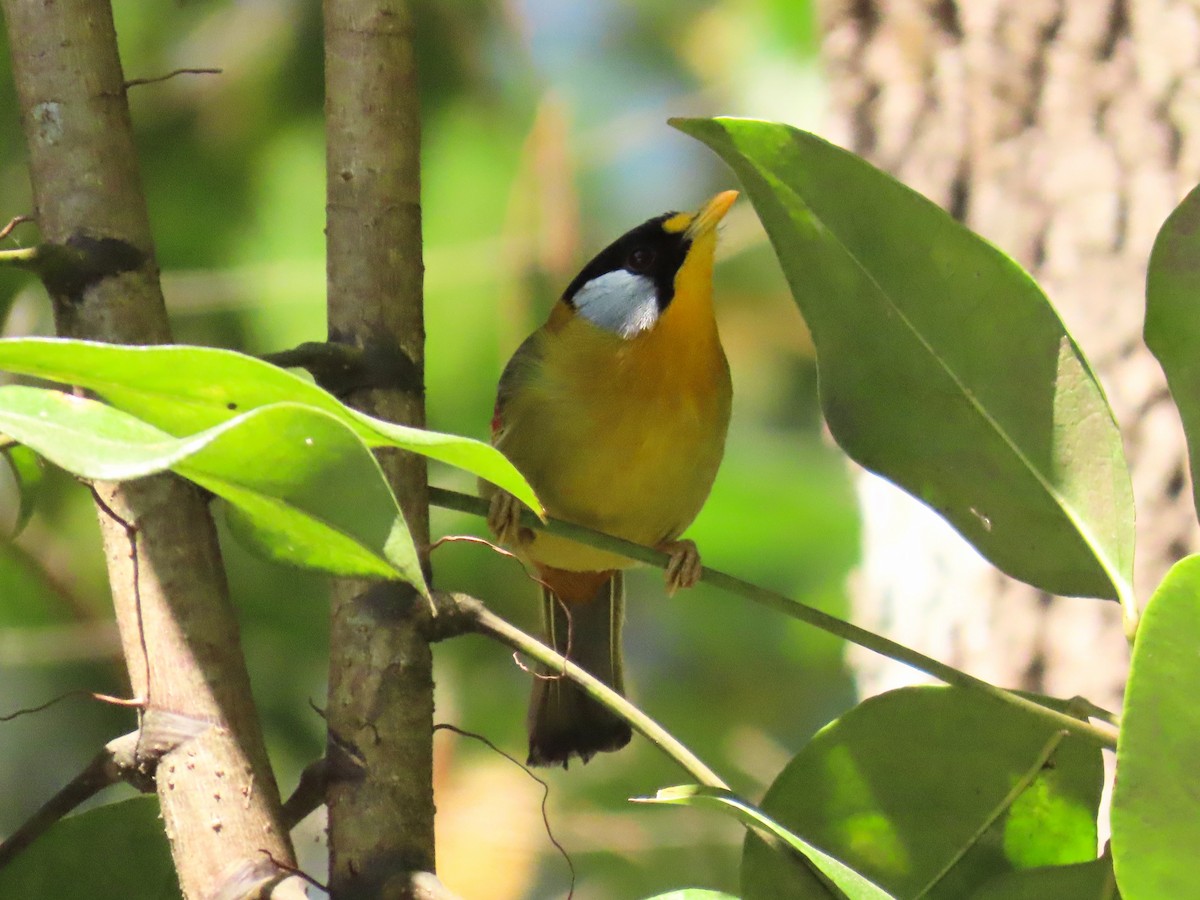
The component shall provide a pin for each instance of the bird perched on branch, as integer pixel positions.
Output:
(616, 412)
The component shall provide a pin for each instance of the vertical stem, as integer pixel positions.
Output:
(380, 709)
(219, 799)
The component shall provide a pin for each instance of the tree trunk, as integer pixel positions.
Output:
(220, 803)
(1065, 133)
(380, 710)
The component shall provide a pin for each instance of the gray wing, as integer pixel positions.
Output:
(516, 373)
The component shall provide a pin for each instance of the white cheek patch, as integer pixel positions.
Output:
(619, 301)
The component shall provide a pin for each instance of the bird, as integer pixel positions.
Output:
(616, 412)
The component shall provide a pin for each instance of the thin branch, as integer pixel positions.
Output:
(27, 259)
(469, 613)
(131, 535)
(329, 363)
(545, 785)
(134, 703)
(285, 867)
(133, 82)
(13, 223)
(117, 762)
(1103, 735)
(308, 795)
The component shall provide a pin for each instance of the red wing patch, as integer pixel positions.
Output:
(497, 421)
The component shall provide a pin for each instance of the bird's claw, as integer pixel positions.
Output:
(504, 518)
(684, 568)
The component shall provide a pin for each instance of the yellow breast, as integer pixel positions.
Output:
(623, 434)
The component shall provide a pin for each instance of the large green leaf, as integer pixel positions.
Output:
(183, 390)
(853, 884)
(1173, 317)
(932, 792)
(1156, 801)
(942, 365)
(301, 486)
(114, 852)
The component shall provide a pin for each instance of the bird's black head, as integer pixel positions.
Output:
(650, 251)
(632, 281)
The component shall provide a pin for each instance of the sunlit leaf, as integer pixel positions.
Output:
(277, 467)
(1172, 327)
(854, 885)
(183, 390)
(933, 791)
(942, 365)
(113, 852)
(1155, 826)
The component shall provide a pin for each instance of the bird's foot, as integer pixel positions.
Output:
(504, 519)
(684, 568)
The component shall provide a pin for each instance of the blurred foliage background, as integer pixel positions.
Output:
(544, 138)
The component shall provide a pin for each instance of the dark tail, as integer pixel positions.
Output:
(563, 720)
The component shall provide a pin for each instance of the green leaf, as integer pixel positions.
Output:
(693, 894)
(311, 494)
(302, 487)
(1082, 881)
(113, 852)
(943, 367)
(1156, 801)
(183, 390)
(853, 884)
(85, 437)
(28, 471)
(933, 791)
(1172, 327)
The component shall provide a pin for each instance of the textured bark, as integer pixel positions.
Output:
(219, 799)
(1064, 132)
(381, 684)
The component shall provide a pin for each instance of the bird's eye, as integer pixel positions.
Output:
(640, 259)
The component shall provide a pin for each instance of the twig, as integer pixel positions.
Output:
(131, 534)
(28, 259)
(118, 761)
(445, 726)
(133, 82)
(293, 870)
(1100, 734)
(13, 223)
(473, 615)
(532, 576)
(308, 795)
(135, 702)
(343, 368)
(321, 359)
